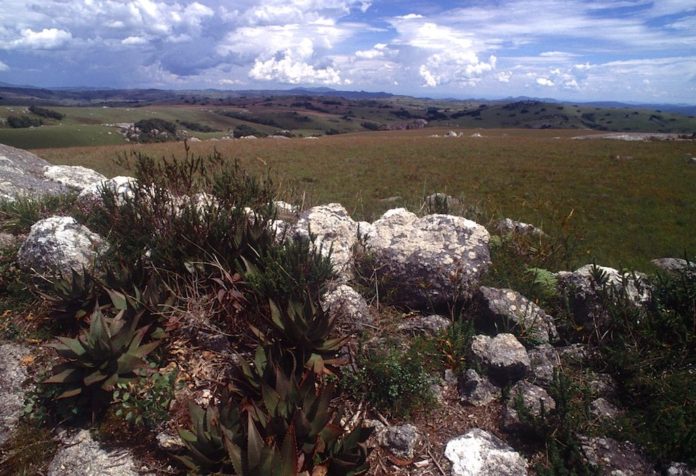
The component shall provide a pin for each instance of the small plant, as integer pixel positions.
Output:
(18, 215)
(392, 380)
(448, 349)
(145, 401)
(110, 352)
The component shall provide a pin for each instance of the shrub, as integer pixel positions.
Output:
(244, 130)
(47, 113)
(145, 401)
(17, 216)
(198, 127)
(155, 124)
(448, 349)
(393, 380)
(22, 122)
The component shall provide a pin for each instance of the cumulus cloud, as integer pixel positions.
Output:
(545, 82)
(46, 39)
(4, 67)
(294, 71)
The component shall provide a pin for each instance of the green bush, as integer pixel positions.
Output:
(22, 122)
(145, 401)
(198, 127)
(392, 380)
(148, 126)
(47, 113)
(244, 130)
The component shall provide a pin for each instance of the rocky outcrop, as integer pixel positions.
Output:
(334, 232)
(425, 325)
(611, 457)
(478, 453)
(12, 377)
(674, 265)
(503, 356)
(544, 360)
(505, 309)
(430, 260)
(80, 455)
(532, 398)
(508, 226)
(73, 176)
(22, 174)
(583, 291)
(348, 308)
(477, 390)
(58, 245)
(121, 186)
(602, 409)
(400, 439)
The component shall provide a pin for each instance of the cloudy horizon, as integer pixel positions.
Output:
(600, 50)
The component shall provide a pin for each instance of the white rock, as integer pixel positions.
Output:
(82, 456)
(12, 376)
(121, 186)
(504, 357)
(335, 232)
(59, 245)
(478, 453)
(348, 307)
(74, 176)
(430, 260)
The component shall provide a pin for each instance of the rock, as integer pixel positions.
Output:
(504, 309)
(601, 409)
(194, 139)
(285, 210)
(76, 177)
(573, 354)
(503, 356)
(478, 453)
(603, 385)
(477, 390)
(168, 441)
(439, 202)
(12, 377)
(401, 440)
(614, 458)
(431, 260)
(348, 307)
(57, 245)
(452, 134)
(121, 186)
(80, 455)
(673, 265)
(680, 469)
(692, 160)
(507, 226)
(21, 174)
(7, 241)
(425, 325)
(544, 360)
(533, 398)
(583, 292)
(335, 232)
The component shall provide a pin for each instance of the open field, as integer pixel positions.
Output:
(626, 211)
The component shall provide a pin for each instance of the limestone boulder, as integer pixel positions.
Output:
(73, 176)
(505, 359)
(400, 439)
(22, 174)
(12, 377)
(430, 260)
(508, 226)
(58, 245)
(479, 453)
(505, 309)
(348, 308)
(532, 397)
(611, 457)
(121, 186)
(334, 233)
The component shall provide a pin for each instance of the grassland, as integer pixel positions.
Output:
(625, 212)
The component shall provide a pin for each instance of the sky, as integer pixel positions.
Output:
(580, 50)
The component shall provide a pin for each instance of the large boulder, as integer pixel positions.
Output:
(478, 453)
(612, 457)
(80, 455)
(505, 309)
(12, 377)
(334, 231)
(503, 356)
(532, 398)
(22, 174)
(584, 292)
(73, 176)
(58, 245)
(430, 260)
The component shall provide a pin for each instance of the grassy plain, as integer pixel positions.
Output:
(625, 212)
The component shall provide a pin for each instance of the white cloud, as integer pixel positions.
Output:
(290, 70)
(545, 82)
(134, 40)
(46, 39)
(4, 67)
(504, 76)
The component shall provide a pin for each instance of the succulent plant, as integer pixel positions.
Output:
(110, 351)
(72, 298)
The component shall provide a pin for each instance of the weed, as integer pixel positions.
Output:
(146, 401)
(17, 216)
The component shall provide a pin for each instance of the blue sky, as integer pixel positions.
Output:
(624, 50)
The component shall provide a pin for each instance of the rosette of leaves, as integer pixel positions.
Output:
(72, 298)
(109, 352)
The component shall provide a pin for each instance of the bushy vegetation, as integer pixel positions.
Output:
(22, 122)
(47, 113)
(244, 130)
(197, 126)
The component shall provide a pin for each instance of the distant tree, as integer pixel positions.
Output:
(22, 122)
(47, 113)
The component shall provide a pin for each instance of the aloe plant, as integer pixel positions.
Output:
(72, 298)
(109, 352)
